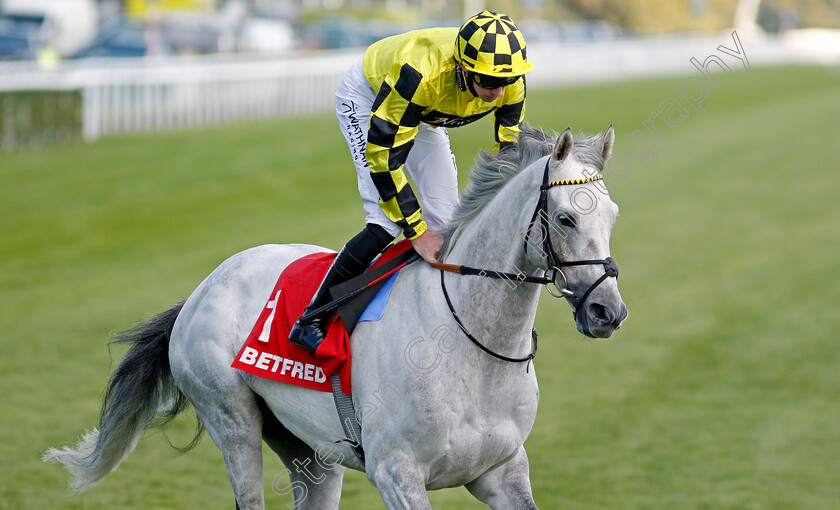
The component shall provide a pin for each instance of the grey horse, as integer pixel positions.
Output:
(436, 410)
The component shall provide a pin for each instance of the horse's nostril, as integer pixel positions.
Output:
(599, 314)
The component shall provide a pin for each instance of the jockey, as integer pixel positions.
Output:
(394, 106)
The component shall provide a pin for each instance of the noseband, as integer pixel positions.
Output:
(555, 265)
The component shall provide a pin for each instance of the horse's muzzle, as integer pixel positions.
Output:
(600, 320)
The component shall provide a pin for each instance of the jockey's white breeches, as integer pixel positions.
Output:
(430, 164)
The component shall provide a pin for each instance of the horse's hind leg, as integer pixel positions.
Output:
(235, 427)
(399, 481)
(507, 486)
(229, 411)
(316, 484)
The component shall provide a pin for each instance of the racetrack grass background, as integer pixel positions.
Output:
(721, 390)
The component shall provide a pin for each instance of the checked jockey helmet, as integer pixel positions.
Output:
(489, 44)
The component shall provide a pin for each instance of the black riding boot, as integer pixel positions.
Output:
(351, 261)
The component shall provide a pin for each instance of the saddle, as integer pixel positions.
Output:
(268, 353)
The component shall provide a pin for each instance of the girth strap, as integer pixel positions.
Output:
(347, 417)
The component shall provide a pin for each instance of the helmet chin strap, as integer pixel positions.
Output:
(462, 77)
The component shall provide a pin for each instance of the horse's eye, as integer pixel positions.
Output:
(566, 220)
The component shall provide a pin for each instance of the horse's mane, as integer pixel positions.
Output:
(492, 171)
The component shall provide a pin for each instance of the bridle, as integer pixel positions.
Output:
(554, 263)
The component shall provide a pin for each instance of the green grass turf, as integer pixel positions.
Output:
(721, 391)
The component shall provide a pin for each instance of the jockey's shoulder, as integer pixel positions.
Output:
(428, 52)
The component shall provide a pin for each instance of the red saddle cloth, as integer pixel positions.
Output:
(267, 351)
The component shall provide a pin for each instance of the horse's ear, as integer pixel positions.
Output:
(605, 144)
(563, 145)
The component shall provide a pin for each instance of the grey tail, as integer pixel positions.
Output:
(141, 393)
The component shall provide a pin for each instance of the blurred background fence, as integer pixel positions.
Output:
(92, 68)
(94, 99)
(97, 97)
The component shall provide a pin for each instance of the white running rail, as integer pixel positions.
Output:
(140, 95)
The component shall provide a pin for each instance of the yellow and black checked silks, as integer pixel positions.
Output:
(414, 76)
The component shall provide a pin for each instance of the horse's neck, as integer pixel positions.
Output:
(498, 312)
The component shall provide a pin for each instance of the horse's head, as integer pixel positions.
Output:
(578, 215)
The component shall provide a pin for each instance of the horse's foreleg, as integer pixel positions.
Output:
(507, 486)
(400, 483)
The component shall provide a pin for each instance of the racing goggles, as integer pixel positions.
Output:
(493, 82)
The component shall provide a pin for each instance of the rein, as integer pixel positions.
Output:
(483, 347)
(554, 267)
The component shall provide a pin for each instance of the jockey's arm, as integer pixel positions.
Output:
(394, 120)
(508, 117)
